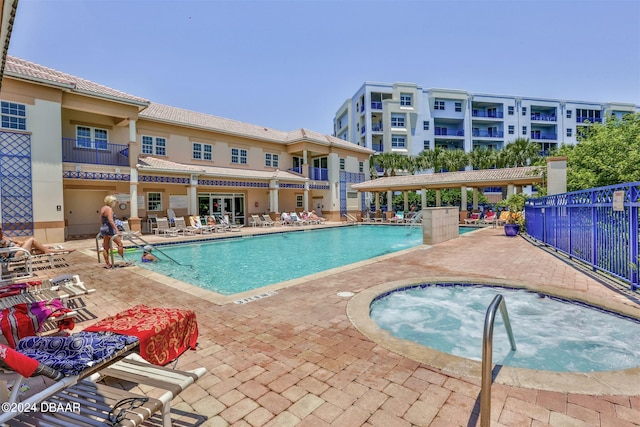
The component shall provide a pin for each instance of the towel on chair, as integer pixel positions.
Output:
(26, 319)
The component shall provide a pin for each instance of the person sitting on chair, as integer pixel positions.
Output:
(32, 245)
(147, 256)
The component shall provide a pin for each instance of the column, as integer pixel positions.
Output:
(510, 189)
(305, 197)
(389, 201)
(273, 196)
(193, 196)
(463, 204)
(424, 197)
(438, 198)
(134, 221)
(406, 201)
(475, 197)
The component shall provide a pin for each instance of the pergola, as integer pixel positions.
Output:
(512, 178)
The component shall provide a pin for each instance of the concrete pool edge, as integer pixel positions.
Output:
(625, 382)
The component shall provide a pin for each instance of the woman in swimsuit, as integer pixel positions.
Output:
(108, 229)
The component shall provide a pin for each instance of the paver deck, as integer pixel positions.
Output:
(296, 359)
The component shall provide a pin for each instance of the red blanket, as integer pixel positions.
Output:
(26, 319)
(164, 333)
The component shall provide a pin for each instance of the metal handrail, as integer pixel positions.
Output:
(487, 354)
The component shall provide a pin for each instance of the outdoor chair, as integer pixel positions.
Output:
(473, 219)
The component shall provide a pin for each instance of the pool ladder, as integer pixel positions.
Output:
(487, 354)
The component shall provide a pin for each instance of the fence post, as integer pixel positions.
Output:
(633, 237)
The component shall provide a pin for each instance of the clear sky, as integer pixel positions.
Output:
(291, 64)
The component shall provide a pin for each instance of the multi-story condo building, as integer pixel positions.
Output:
(66, 143)
(406, 118)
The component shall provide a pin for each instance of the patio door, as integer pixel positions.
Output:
(223, 204)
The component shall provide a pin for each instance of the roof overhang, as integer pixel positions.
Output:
(438, 181)
(8, 10)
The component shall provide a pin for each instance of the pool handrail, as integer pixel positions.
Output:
(487, 354)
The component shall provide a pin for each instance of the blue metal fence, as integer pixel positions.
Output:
(584, 225)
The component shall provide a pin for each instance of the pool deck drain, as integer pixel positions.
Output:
(295, 358)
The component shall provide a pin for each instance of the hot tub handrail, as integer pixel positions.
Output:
(487, 353)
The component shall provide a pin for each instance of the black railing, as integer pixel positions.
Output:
(94, 152)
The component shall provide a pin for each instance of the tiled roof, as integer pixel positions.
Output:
(475, 178)
(153, 164)
(16, 67)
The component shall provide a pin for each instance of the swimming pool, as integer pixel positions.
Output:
(235, 265)
(551, 334)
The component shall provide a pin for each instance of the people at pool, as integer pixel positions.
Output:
(147, 256)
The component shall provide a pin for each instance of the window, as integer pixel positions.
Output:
(398, 141)
(14, 116)
(438, 105)
(569, 112)
(360, 167)
(299, 201)
(524, 130)
(569, 132)
(426, 145)
(510, 110)
(405, 99)
(154, 145)
(88, 137)
(239, 155)
(512, 129)
(154, 201)
(458, 107)
(341, 164)
(202, 151)
(425, 125)
(397, 120)
(271, 160)
(524, 111)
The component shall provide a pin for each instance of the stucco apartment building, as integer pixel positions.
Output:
(407, 118)
(66, 143)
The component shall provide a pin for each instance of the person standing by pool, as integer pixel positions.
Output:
(108, 229)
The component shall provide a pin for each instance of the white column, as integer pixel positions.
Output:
(475, 197)
(406, 201)
(424, 197)
(273, 195)
(438, 198)
(377, 199)
(510, 189)
(463, 198)
(193, 196)
(133, 191)
(389, 201)
(305, 197)
(132, 131)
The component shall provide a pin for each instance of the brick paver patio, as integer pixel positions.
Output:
(295, 358)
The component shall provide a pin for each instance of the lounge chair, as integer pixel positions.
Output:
(229, 225)
(295, 220)
(397, 218)
(215, 225)
(195, 224)
(473, 219)
(164, 228)
(171, 215)
(180, 226)
(267, 221)
(126, 230)
(350, 218)
(489, 219)
(256, 221)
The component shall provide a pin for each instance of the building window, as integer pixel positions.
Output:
(569, 113)
(360, 167)
(426, 145)
(438, 105)
(405, 99)
(271, 160)
(299, 201)
(14, 116)
(425, 125)
(458, 107)
(524, 111)
(154, 201)
(510, 110)
(154, 145)
(239, 156)
(512, 129)
(397, 120)
(341, 164)
(202, 151)
(569, 131)
(88, 137)
(398, 141)
(524, 130)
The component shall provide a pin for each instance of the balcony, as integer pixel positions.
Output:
(539, 135)
(543, 117)
(378, 148)
(318, 174)
(376, 105)
(488, 134)
(581, 119)
(376, 127)
(448, 132)
(363, 130)
(488, 114)
(94, 152)
(297, 169)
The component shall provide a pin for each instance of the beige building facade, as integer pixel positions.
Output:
(66, 143)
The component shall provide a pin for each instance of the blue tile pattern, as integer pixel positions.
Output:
(15, 184)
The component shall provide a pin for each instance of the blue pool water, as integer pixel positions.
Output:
(236, 265)
(550, 334)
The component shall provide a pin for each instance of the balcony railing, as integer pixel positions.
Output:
(490, 114)
(379, 148)
(543, 117)
(363, 130)
(318, 174)
(488, 134)
(538, 135)
(581, 119)
(448, 132)
(376, 105)
(297, 169)
(94, 152)
(376, 128)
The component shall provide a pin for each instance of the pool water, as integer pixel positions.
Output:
(551, 334)
(240, 264)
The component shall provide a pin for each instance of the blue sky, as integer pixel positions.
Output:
(291, 64)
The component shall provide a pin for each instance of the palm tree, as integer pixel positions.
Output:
(430, 159)
(522, 152)
(482, 158)
(454, 160)
(390, 162)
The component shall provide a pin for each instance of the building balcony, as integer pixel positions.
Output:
(488, 114)
(363, 130)
(318, 174)
(539, 135)
(581, 119)
(488, 134)
(543, 117)
(379, 148)
(376, 128)
(376, 105)
(94, 152)
(448, 132)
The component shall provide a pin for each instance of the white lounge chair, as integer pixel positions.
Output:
(229, 225)
(256, 221)
(164, 228)
(267, 221)
(180, 226)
